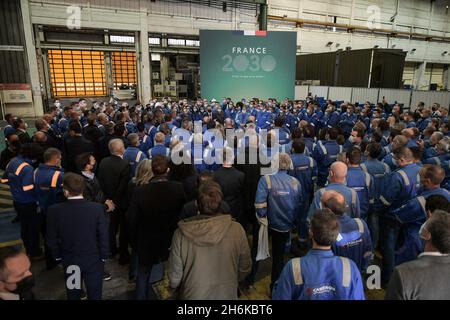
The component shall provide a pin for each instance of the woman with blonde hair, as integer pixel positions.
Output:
(142, 176)
(143, 173)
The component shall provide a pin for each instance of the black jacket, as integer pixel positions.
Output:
(77, 229)
(5, 157)
(153, 216)
(23, 136)
(73, 147)
(114, 174)
(92, 133)
(231, 182)
(92, 191)
(252, 173)
(102, 150)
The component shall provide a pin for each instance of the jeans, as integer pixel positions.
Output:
(143, 282)
(30, 224)
(145, 277)
(389, 232)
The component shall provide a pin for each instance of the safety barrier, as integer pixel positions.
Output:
(409, 98)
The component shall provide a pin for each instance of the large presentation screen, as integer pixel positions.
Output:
(247, 64)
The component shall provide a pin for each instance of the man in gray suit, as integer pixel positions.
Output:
(426, 278)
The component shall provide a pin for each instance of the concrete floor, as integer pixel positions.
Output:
(50, 285)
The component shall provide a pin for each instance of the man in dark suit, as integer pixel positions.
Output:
(153, 216)
(21, 130)
(77, 235)
(231, 181)
(251, 167)
(75, 145)
(114, 175)
(42, 126)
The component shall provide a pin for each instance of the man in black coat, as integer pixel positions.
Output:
(114, 174)
(21, 130)
(102, 144)
(252, 170)
(92, 132)
(42, 126)
(77, 235)
(75, 145)
(153, 216)
(231, 181)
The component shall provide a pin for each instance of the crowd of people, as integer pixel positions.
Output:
(178, 187)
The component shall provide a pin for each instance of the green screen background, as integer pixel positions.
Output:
(262, 77)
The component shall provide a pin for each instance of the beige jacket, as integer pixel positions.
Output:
(209, 255)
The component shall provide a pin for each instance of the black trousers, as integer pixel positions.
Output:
(279, 240)
(118, 224)
(87, 270)
(30, 224)
(50, 261)
(250, 279)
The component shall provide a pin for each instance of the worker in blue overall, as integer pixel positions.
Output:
(19, 176)
(360, 181)
(413, 213)
(399, 187)
(348, 120)
(325, 153)
(159, 147)
(353, 241)
(133, 154)
(378, 170)
(397, 142)
(320, 275)
(278, 198)
(48, 184)
(145, 142)
(305, 170)
(337, 178)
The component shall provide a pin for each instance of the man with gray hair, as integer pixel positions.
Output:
(426, 278)
(279, 198)
(159, 148)
(133, 154)
(431, 146)
(113, 175)
(231, 182)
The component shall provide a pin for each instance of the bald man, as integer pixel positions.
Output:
(159, 148)
(114, 174)
(354, 240)
(336, 179)
(398, 142)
